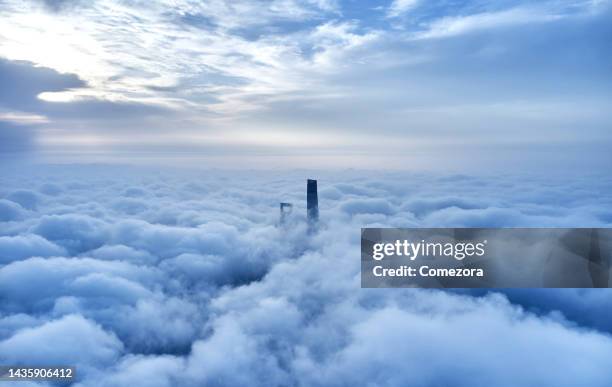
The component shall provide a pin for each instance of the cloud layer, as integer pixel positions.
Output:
(183, 277)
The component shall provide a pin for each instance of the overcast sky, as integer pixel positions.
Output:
(354, 83)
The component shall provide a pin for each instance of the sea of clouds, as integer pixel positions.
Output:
(173, 277)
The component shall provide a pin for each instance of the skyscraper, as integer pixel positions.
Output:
(312, 202)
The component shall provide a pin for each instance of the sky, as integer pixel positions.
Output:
(151, 274)
(300, 83)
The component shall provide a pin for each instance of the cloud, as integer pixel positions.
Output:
(440, 340)
(23, 118)
(71, 340)
(73, 231)
(24, 280)
(456, 25)
(399, 7)
(29, 103)
(587, 307)
(24, 82)
(153, 371)
(26, 198)
(59, 5)
(50, 189)
(304, 77)
(159, 325)
(12, 323)
(501, 217)
(134, 192)
(118, 295)
(203, 286)
(372, 206)
(14, 248)
(130, 206)
(427, 205)
(10, 211)
(122, 253)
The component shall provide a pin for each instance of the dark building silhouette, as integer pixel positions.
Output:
(285, 210)
(312, 202)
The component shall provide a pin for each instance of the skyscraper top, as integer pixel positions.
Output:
(312, 202)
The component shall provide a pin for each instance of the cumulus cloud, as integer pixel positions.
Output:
(50, 189)
(13, 248)
(10, 210)
(69, 340)
(122, 253)
(76, 232)
(204, 286)
(26, 198)
(23, 281)
(505, 343)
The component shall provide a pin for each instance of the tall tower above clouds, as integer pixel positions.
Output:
(312, 202)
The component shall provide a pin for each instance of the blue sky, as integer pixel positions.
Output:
(380, 83)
